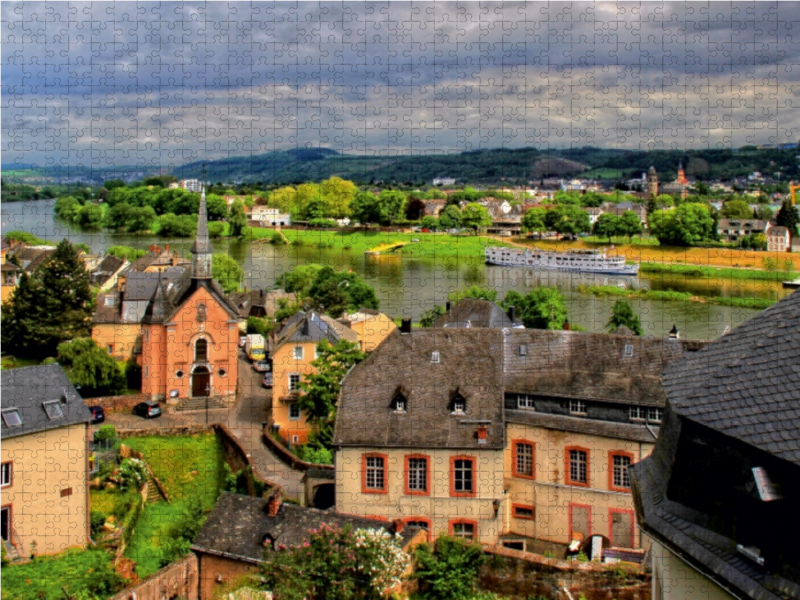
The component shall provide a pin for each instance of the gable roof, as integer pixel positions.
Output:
(594, 366)
(746, 384)
(238, 525)
(106, 269)
(470, 364)
(478, 313)
(313, 327)
(27, 388)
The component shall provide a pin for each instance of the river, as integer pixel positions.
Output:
(407, 287)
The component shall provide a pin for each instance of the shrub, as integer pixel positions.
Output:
(298, 242)
(277, 239)
(105, 432)
(318, 456)
(323, 223)
(449, 569)
(96, 520)
(132, 473)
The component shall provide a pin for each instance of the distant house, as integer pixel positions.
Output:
(371, 327)
(732, 230)
(261, 303)
(796, 243)
(594, 213)
(440, 181)
(104, 276)
(620, 208)
(469, 313)
(778, 239)
(241, 529)
(30, 257)
(191, 185)
(720, 492)
(157, 259)
(44, 465)
(433, 208)
(266, 215)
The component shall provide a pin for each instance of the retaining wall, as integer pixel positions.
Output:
(177, 580)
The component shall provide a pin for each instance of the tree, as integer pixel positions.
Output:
(337, 194)
(227, 271)
(685, 225)
(126, 252)
(735, 209)
(366, 208)
(607, 225)
(429, 317)
(394, 204)
(568, 220)
(216, 207)
(450, 218)
(90, 216)
(237, 220)
(448, 570)
(52, 305)
(753, 241)
(177, 225)
(67, 208)
(542, 308)
(622, 314)
(430, 223)
(475, 217)
(630, 225)
(787, 217)
(765, 213)
(113, 184)
(140, 219)
(339, 291)
(90, 368)
(534, 220)
(299, 279)
(475, 292)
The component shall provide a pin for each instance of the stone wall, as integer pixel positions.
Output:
(113, 404)
(238, 459)
(163, 431)
(525, 575)
(286, 456)
(177, 580)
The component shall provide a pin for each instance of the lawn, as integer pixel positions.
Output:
(12, 362)
(189, 467)
(76, 571)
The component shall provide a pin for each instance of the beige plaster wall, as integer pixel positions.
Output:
(675, 580)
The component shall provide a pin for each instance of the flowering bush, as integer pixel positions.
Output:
(336, 564)
(132, 473)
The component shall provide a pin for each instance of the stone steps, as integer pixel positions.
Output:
(153, 495)
(199, 404)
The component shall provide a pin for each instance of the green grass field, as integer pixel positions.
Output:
(673, 296)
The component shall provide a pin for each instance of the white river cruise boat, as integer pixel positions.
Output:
(588, 261)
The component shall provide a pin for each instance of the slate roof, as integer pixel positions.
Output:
(131, 305)
(478, 313)
(621, 431)
(313, 327)
(238, 524)
(106, 269)
(756, 224)
(470, 364)
(267, 300)
(746, 384)
(31, 257)
(594, 366)
(26, 388)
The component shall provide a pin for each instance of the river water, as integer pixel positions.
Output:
(407, 287)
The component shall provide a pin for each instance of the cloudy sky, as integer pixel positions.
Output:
(106, 83)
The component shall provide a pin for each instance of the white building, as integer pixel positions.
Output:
(192, 185)
(270, 216)
(444, 181)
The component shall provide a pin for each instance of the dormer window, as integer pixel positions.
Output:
(435, 356)
(53, 409)
(399, 404)
(628, 350)
(523, 349)
(459, 405)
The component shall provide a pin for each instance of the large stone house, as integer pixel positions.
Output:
(190, 333)
(778, 239)
(731, 230)
(44, 465)
(520, 437)
(720, 492)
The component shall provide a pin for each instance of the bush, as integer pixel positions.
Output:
(277, 239)
(449, 569)
(256, 325)
(318, 456)
(96, 520)
(132, 473)
(105, 432)
(322, 223)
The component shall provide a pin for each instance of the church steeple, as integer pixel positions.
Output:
(201, 249)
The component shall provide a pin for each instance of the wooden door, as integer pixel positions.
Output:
(201, 380)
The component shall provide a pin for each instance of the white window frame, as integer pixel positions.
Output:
(459, 406)
(293, 407)
(110, 348)
(621, 476)
(297, 353)
(435, 358)
(523, 349)
(400, 405)
(628, 351)
(636, 413)
(147, 370)
(525, 402)
(417, 475)
(6, 474)
(655, 415)
(577, 407)
(294, 387)
(55, 404)
(462, 534)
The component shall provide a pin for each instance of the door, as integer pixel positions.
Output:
(579, 521)
(621, 529)
(201, 380)
(5, 523)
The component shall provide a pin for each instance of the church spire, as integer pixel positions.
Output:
(201, 249)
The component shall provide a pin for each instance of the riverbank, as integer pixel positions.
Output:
(673, 296)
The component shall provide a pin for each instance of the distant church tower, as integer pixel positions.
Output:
(652, 182)
(201, 249)
(681, 175)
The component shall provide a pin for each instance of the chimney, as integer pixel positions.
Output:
(567, 326)
(274, 503)
(447, 306)
(304, 328)
(483, 434)
(397, 526)
(674, 334)
(166, 247)
(512, 313)
(174, 258)
(405, 325)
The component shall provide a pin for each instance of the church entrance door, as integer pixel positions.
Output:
(201, 380)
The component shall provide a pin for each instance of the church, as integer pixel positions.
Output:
(190, 331)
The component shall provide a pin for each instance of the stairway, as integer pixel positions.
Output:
(200, 404)
(11, 552)
(153, 495)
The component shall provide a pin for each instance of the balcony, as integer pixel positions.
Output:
(291, 397)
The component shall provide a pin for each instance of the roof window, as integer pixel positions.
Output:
(435, 356)
(628, 352)
(12, 417)
(458, 405)
(523, 349)
(53, 409)
(399, 403)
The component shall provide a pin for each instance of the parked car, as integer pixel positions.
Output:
(98, 415)
(261, 366)
(267, 380)
(147, 409)
(242, 341)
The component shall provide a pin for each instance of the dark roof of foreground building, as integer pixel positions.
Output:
(312, 327)
(593, 366)
(239, 525)
(475, 313)
(722, 486)
(44, 399)
(430, 369)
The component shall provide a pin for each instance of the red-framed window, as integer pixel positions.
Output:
(6, 474)
(523, 459)
(577, 466)
(523, 511)
(463, 477)
(374, 473)
(417, 475)
(621, 519)
(423, 522)
(580, 521)
(464, 529)
(619, 478)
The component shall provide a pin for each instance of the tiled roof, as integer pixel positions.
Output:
(238, 526)
(312, 327)
(470, 364)
(27, 388)
(746, 384)
(479, 313)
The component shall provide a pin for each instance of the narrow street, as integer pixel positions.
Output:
(244, 420)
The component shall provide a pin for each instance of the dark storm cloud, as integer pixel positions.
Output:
(178, 81)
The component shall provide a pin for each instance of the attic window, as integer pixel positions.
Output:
(523, 349)
(459, 405)
(53, 409)
(435, 356)
(577, 407)
(108, 301)
(628, 352)
(12, 417)
(654, 415)
(399, 404)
